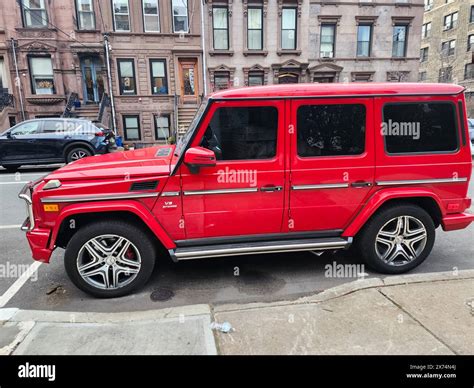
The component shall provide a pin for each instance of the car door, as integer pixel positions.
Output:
(244, 193)
(331, 162)
(20, 143)
(55, 134)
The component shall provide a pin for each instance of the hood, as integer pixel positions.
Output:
(145, 162)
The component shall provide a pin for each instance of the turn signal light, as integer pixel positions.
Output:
(51, 207)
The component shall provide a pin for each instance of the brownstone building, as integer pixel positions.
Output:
(57, 48)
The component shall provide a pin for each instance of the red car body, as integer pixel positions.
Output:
(339, 193)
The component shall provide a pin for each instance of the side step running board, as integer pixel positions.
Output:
(314, 244)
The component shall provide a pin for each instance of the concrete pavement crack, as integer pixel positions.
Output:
(418, 321)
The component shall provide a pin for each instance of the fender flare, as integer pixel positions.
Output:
(381, 197)
(133, 207)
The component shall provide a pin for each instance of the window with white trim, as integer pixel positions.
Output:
(180, 15)
(151, 15)
(85, 15)
(41, 74)
(34, 13)
(121, 15)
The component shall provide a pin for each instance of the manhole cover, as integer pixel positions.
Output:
(161, 295)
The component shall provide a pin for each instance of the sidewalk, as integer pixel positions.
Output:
(410, 314)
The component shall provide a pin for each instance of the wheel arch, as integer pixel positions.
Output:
(74, 217)
(425, 199)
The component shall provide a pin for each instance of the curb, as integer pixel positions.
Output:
(354, 286)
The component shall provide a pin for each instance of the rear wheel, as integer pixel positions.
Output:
(77, 153)
(397, 239)
(110, 259)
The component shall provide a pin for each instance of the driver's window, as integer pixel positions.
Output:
(240, 133)
(30, 128)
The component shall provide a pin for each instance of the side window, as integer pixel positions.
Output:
(420, 127)
(331, 130)
(30, 128)
(243, 133)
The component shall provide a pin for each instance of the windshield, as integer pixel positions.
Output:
(192, 128)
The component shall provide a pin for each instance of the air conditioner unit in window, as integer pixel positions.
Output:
(326, 54)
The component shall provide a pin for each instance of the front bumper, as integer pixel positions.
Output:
(38, 238)
(457, 221)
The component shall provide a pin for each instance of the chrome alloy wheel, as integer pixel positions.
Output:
(108, 262)
(78, 155)
(401, 240)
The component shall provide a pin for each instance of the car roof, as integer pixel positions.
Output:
(339, 89)
(57, 118)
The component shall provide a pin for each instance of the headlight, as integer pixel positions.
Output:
(52, 184)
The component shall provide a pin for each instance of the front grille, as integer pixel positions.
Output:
(141, 186)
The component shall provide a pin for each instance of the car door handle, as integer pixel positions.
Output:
(269, 189)
(360, 184)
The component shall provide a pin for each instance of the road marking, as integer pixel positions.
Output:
(10, 226)
(14, 183)
(15, 287)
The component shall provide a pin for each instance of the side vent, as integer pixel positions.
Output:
(141, 186)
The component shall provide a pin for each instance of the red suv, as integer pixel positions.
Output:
(262, 170)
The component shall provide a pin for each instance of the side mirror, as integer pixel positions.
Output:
(197, 157)
(9, 135)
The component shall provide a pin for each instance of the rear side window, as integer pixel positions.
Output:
(243, 133)
(420, 127)
(331, 130)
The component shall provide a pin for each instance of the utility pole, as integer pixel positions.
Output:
(109, 79)
(203, 43)
(18, 81)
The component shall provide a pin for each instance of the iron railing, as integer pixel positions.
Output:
(6, 99)
(73, 97)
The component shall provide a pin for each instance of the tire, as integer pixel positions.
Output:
(77, 153)
(381, 246)
(12, 168)
(129, 273)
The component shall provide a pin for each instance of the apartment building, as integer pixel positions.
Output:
(155, 62)
(258, 42)
(447, 44)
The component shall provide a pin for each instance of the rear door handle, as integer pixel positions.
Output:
(269, 189)
(360, 184)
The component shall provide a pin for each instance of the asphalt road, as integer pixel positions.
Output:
(225, 280)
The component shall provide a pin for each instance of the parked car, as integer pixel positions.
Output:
(47, 141)
(262, 170)
(471, 134)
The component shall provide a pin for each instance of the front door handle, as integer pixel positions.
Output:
(269, 189)
(360, 184)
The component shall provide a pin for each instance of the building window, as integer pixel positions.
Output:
(41, 74)
(399, 41)
(151, 15)
(469, 71)
(131, 127)
(255, 28)
(327, 40)
(422, 76)
(426, 30)
(424, 54)
(85, 15)
(471, 18)
(428, 5)
(3, 76)
(330, 130)
(159, 83)
(256, 78)
(121, 15)
(362, 77)
(470, 42)
(34, 13)
(448, 48)
(220, 27)
(288, 29)
(364, 37)
(126, 72)
(288, 78)
(221, 80)
(162, 127)
(450, 21)
(445, 74)
(180, 15)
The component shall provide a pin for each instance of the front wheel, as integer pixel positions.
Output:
(397, 239)
(77, 153)
(110, 259)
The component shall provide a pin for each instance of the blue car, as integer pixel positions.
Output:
(50, 141)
